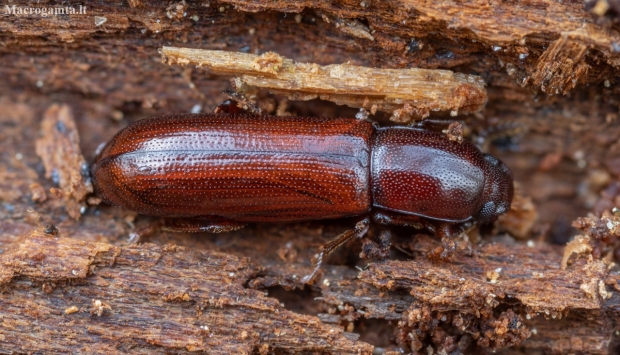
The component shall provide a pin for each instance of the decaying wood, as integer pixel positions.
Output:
(509, 28)
(524, 284)
(561, 66)
(60, 152)
(521, 218)
(411, 92)
(99, 298)
(506, 39)
(86, 296)
(550, 68)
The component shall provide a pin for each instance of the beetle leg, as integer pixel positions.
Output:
(379, 250)
(134, 237)
(362, 115)
(229, 107)
(359, 231)
(448, 234)
(238, 104)
(454, 130)
(185, 226)
(433, 124)
(199, 225)
(395, 219)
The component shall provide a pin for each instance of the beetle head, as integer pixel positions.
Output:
(498, 190)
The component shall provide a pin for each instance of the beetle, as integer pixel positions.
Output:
(225, 170)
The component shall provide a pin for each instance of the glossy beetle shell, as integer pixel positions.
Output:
(259, 169)
(241, 167)
(422, 173)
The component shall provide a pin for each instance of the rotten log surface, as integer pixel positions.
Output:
(106, 67)
(91, 297)
(98, 298)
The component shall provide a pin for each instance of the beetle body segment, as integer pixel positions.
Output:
(238, 167)
(422, 173)
(248, 168)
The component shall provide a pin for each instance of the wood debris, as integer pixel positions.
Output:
(409, 93)
(561, 66)
(59, 149)
(521, 218)
(486, 299)
(349, 26)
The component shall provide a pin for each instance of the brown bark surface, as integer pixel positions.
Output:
(98, 298)
(552, 81)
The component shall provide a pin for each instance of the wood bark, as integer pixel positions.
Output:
(70, 296)
(551, 72)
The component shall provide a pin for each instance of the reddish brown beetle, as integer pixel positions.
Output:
(226, 170)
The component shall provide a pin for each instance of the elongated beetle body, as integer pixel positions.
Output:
(227, 170)
(240, 168)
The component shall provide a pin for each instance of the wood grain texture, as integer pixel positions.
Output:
(96, 298)
(416, 91)
(110, 75)
(60, 152)
(549, 310)
(475, 37)
(100, 298)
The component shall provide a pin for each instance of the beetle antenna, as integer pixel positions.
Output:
(359, 231)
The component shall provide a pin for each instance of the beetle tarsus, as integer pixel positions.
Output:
(237, 104)
(51, 230)
(317, 266)
(449, 246)
(362, 114)
(359, 231)
(448, 236)
(134, 237)
(380, 250)
(433, 124)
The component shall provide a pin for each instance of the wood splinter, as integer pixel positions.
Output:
(407, 94)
